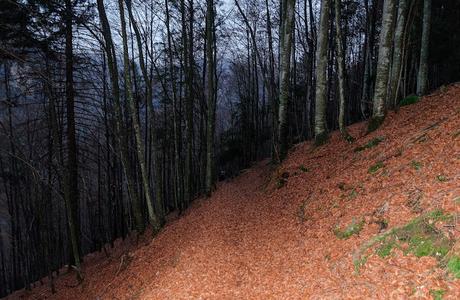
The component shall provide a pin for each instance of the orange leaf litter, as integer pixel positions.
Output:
(248, 242)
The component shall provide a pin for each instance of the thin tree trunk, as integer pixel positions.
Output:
(177, 160)
(153, 219)
(151, 112)
(341, 71)
(285, 67)
(210, 95)
(122, 139)
(71, 189)
(321, 135)
(397, 52)
(422, 78)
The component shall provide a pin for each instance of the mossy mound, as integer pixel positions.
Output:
(419, 237)
(409, 100)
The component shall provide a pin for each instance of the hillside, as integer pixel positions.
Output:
(304, 230)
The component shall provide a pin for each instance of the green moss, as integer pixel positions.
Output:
(442, 178)
(419, 237)
(454, 266)
(374, 168)
(385, 249)
(437, 294)
(374, 123)
(351, 229)
(353, 194)
(409, 100)
(416, 165)
(359, 263)
(372, 143)
(321, 139)
(303, 168)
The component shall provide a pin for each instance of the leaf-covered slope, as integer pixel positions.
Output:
(257, 238)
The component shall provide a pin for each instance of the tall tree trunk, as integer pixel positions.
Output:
(153, 219)
(122, 140)
(151, 112)
(71, 187)
(383, 66)
(397, 53)
(321, 135)
(341, 71)
(210, 95)
(176, 120)
(422, 78)
(189, 65)
(285, 67)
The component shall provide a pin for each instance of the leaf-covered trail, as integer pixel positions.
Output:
(263, 237)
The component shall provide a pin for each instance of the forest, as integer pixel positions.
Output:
(117, 114)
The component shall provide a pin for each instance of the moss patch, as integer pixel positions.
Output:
(372, 143)
(409, 100)
(354, 228)
(437, 294)
(419, 237)
(374, 168)
(453, 266)
(416, 165)
(442, 178)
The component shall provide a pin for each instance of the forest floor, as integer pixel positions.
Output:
(329, 223)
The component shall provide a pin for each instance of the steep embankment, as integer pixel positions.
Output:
(303, 230)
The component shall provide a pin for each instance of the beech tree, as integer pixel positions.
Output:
(321, 134)
(383, 66)
(422, 77)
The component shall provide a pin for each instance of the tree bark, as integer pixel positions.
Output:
(397, 53)
(422, 78)
(210, 60)
(321, 135)
(341, 71)
(285, 67)
(383, 66)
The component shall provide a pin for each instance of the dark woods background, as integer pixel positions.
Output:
(83, 158)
